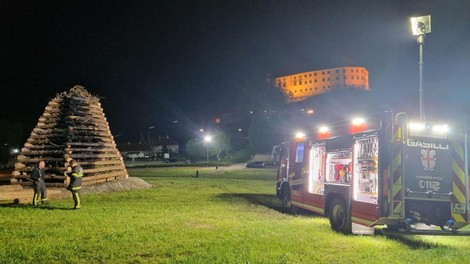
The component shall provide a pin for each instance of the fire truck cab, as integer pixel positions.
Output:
(381, 171)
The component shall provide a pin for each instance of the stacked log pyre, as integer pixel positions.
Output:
(73, 126)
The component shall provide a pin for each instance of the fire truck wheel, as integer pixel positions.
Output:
(339, 217)
(286, 204)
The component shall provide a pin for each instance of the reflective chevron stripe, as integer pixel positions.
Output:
(458, 198)
(396, 169)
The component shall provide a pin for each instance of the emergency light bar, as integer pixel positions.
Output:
(422, 129)
(416, 126)
(358, 125)
(440, 128)
(299, 135)
(358, 121)
(323, 129)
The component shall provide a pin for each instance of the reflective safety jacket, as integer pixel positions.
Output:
(76, 178)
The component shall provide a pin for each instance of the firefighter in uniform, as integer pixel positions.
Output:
(75, 182)
(39, 184)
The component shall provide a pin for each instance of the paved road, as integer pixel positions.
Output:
(237, 166)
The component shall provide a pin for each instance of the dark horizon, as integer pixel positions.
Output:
(177, 65)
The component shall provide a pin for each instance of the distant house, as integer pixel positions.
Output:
(133, 150)
(165, 145)
(160, 147)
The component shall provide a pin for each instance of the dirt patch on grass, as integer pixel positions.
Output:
(131, 183)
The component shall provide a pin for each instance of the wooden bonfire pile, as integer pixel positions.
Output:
(73, 126)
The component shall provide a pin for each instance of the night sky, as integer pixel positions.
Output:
(154, 62)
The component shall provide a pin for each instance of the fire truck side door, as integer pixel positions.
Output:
(298, 179)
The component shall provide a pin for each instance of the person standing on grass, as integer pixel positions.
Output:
(39, 184)
(75, 182)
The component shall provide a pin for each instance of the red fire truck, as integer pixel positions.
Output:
(382, 171)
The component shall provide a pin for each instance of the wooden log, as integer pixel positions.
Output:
(54, 102)
(98, 126)
(93, 134)
(46, 157)
(86, 127)
(86, 118)
(100, 162)
(104, 176)
(82, 125)
(82, 110)
(48, 120)
(67, 118)
(47, 112)
(102, 169)
(23, 176)
(74, 107)
(100, 181)
(92, 99)
(42, 131)
(90, 122)
(47, 177)
(48, 184)
(90, 149)
(19, 165)
(36, 160)
(73, 104)
(20, 157)
(42, 147)
(71, 114)
(34, 136)
(42, 141)
(78, 108)
(51, 115)
(69, 129)
(55, 184)
(51, 125)
(91, 156)
(91, 139)
(91, 144)
(42, 152)
(56, 177)
(91, 131)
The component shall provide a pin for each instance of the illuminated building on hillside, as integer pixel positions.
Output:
(297, 87)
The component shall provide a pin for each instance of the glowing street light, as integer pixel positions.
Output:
(420, 26)
(207, 138)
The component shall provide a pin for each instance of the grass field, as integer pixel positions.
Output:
(224, 216)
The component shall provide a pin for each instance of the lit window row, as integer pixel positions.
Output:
(300, 76)
(301, 82)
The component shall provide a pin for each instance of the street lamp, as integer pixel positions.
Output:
(207, 140)
(420, 26)
(149, 141)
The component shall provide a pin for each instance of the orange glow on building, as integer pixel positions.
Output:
(299, 86)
